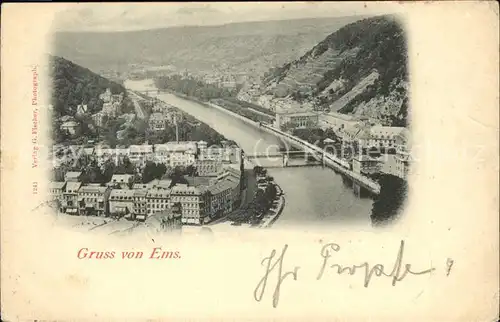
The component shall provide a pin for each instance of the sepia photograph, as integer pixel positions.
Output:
(290, 120)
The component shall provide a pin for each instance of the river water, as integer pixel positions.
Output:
(314, 195)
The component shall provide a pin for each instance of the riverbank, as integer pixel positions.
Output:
(314, 195)
(340, 166)
(274, 214)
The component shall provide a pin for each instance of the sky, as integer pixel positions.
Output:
(137, 16)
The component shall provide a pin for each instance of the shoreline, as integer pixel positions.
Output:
(330, 161)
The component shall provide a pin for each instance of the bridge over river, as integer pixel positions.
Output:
(315, 195)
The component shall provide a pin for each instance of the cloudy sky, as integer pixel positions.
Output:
(135, 16)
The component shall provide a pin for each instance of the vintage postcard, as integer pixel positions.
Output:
(284, 161)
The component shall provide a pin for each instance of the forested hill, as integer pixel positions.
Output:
(361, 69)
(73, 85)
(248, 47)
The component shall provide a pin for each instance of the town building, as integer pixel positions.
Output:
(194, 203)
(56, 190)
(201, 145)
(161, 154)
(235, 191)
(70, 197)
(117, 98)
(98, 119)
(173, 116)
(157, 200)
(81, 109)
(106, 96)
(123, 181)
(93, 200)
(140, 204)
(165, 221)
(220, 195)
(366, 165)
(73, 176)
(88, 151)
(296, 118)
(200, 181)
(403, 157)
(70, 126)
(338, 121)
(102, 154)
(380, 137)
(157, 122)
(163, 184)
(140, 154)
(180, 153)
(121, 202)
(111, 109)
(208, 168)
(221, 154)
(155, 183)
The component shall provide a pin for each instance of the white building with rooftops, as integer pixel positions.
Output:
(157, 122)
(297, 117)
(121, 202)
(221, 194)
(157, 200)
(140, 204)
(194, 203)
(74, 176)
(124, 181)
(70, 197)
(140, 154)
(93, 200)
(56, 190)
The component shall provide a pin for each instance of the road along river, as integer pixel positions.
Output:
(314, 195)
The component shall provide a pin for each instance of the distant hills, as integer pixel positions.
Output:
(352, 65)
(250, 47)
(360, 69)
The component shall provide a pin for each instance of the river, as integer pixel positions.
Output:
(314, 195)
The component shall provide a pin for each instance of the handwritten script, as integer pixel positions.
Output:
(272, 263)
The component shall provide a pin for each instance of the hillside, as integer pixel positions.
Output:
(73, 85)
(241, 47)
(359, 69)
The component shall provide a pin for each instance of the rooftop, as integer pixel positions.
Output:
(198, 181)
(182, 189)
(121, 178)
(221, 186)
(56, 185)
(158, 193)
(386, 130)
(176, 146)
(140, 193)
(156, 116)
(70, 123)
(92, 189)
(73, 186)
(293, 111)
(121, 193)
(73, 174)
(141, 148)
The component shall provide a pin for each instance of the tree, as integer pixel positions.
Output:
(288, 127)
(153, 171)
(191, 170)
(393, 193)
